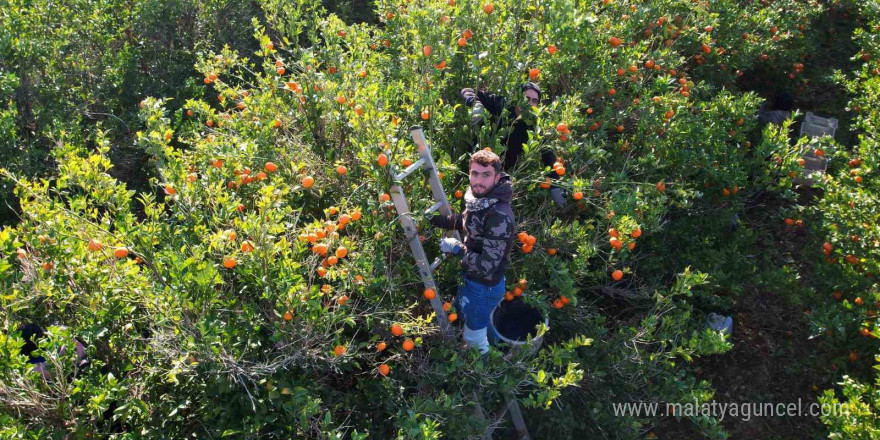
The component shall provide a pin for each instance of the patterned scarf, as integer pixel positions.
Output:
(475, 204)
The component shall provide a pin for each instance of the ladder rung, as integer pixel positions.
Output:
(434, 208)
(410, 169)
(437, 262)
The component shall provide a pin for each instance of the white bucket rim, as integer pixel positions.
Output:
(512, 341)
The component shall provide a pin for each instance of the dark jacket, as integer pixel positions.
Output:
(767, 116)
(517, 133)
(488, 225)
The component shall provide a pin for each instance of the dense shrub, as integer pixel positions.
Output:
(245, 289)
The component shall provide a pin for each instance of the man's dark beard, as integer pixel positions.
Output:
(479, 194)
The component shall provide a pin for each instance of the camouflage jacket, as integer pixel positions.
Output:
(488, 225)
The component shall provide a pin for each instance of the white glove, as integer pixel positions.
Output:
(477, 114)
(450, 245)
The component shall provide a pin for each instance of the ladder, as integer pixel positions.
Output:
(426, 270)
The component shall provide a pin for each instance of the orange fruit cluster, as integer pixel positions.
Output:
(528, 241)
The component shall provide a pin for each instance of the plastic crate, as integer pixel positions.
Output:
(813, 164)
(817, 126)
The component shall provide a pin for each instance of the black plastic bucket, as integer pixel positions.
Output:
(514, 321)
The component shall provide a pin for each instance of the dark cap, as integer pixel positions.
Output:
(783, 101)
(532, 86)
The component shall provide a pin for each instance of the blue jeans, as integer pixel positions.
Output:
(475, 303)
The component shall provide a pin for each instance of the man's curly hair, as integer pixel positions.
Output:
(486, 157)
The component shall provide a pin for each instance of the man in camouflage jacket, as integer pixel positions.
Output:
(488, 225)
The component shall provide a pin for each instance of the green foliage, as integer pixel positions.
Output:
(853, 413)
(846, 224)
(209, 298)
(72, 70)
